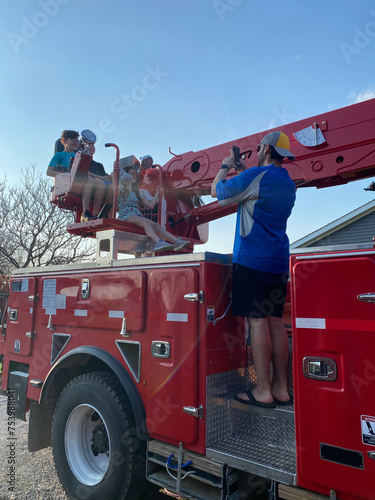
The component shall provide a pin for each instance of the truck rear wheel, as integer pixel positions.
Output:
(95, 448)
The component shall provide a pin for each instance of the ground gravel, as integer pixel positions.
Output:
(35, 474)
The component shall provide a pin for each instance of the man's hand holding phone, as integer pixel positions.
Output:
(234, 160)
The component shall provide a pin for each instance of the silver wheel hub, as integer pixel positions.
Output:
(87, 445)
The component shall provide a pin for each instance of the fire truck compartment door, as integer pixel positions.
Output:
(21, 317)
(334, 372)
(172, 354)
(100, 302)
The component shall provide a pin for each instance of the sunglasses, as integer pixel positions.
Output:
(259, 147)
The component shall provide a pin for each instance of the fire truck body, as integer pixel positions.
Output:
(334, 320)
(131, 366)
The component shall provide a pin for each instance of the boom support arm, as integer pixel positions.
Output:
(333, 148)
(330, 149)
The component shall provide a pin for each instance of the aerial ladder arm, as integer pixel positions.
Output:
(330, 149)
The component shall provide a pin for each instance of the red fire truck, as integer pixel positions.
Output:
(129, 366)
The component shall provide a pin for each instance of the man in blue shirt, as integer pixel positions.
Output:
(265, 195)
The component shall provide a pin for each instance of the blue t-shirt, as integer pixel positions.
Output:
(62, 158)
(265, 197)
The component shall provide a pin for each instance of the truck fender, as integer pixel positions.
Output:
(91, 359)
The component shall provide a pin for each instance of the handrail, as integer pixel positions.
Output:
(116, 168)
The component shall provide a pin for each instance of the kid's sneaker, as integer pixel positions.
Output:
(180, 243)
(162, 246)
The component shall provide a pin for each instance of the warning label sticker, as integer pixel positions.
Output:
(210, 313)
(368, 429)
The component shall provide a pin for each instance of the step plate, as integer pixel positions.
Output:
(253, 439)
(272, 463)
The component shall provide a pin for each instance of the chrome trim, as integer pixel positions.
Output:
(55, 352)
(136, 375)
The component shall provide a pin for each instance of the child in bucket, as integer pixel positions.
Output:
(127, 205)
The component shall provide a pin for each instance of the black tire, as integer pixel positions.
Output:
(96, 452)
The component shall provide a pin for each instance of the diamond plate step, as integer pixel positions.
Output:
(261, 441)
(250, 438)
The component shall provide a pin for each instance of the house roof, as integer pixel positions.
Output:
(334, 226)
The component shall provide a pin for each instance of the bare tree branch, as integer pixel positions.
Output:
(32, 230)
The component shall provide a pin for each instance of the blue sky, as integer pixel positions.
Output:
(189, 74)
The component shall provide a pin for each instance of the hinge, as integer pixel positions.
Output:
(30, 335)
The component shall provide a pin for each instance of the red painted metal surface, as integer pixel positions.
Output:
(151, 299)
(330, 322)
(173, 382)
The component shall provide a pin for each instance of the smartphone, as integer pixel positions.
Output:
(236, 151)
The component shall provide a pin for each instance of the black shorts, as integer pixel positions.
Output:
(258, 294)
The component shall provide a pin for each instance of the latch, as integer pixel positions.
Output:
(195, 297)
(123, 331)
(50, 326)
(160, 349)
(33, 298)
(195, 412)
(319, 368)
(13, 314)
(85, 288)
(30, 335)
(366, 297)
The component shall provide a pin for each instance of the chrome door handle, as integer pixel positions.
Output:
(195, 297)
(366, 297)
(13, 314)
(160, 349)
(195, 412)
(319, 368)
